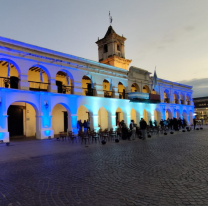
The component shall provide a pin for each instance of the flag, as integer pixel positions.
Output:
(41, 75)
(8, 74)
(155, 79)
(67, 78)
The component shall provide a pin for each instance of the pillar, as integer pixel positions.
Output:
(128, 119)
(52, 86)
(24, 84)
(73, 125)
(94, 122)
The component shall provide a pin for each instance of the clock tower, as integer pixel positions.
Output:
(111, 50)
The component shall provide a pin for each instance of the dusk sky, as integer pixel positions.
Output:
(169, 34)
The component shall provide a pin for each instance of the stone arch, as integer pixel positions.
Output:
(185, 115)
(64, 82)
(146, 89)
(103, 118)
(119, 115)
(157, 115)
(166, 96)
(176, 97)
(135, 87)
(178, 115)
(34, 78)
(23, 119)
(168, 114)
(9, 73)
(61, 118)
(134, 116)
(121, 90)
(87, 85)
(107, 87)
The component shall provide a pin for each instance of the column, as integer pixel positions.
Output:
(112, 120)
(163, 113)
(99, 90)
(52, 86)
(116, 94)
(23, 83)
(128, 119)
(94, 122)
(73, 125)
(4, 134)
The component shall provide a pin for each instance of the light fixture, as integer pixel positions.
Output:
(46, 104)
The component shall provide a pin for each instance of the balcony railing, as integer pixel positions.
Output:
(182, 101)
(66, 89)
(11, 82)
(167, 100)
(176, 101)
(122, 95)
(108, 94)
(188, 103)
(38, 86)
(89, 92)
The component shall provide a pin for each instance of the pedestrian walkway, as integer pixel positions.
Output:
(163, 170)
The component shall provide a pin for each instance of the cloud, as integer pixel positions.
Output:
(200, 86)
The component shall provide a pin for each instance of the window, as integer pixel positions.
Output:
(105, 48)
(118, 47)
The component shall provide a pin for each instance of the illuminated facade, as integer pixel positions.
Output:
(44, 92)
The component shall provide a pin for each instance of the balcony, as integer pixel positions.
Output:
(182, 101)
(188, 103)
(89, 92)
(38, 86)
(108, 94)
(144, 97)
(11, 82)
(167, 100)
(65, 89)
(122, 95)
(176, 101)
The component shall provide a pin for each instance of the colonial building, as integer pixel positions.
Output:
(44, 92)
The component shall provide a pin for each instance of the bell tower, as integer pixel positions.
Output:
(111, 50)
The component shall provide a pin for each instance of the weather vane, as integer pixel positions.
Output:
(110, 18)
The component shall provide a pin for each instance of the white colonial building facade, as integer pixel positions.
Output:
(44, 92)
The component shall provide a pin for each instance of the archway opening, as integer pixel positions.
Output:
(182, 97)
(154, 92)
(64, 83)
(9, 76)
(184, 115)
(145, 116)
(166, 96)
(176, 97)
(107, 88)
(121, 91)
(119, 115)
(168, 114)
(135, 87)
(38, 79)
(145, 89)
(103, 118)
(83, 116)
(188, 99)
(22, 121)
(87, 86)
(133, 115)
(60, 119)
(157, 115)
(178, 114)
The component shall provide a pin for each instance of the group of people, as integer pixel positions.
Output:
(83, 126)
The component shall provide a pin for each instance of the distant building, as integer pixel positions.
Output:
(45, 92)
(201, 108)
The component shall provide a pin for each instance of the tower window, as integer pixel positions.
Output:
(105, 48)
(118, 47)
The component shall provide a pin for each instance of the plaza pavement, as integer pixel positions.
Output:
(162, 170)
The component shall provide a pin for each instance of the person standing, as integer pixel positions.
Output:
(194, 123)
(143, 126)
(150, 123)
(88, 125)
(85, 126)
(133, 130)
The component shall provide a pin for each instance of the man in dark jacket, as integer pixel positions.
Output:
(143, 126)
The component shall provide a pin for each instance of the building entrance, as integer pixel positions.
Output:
(15, 121)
